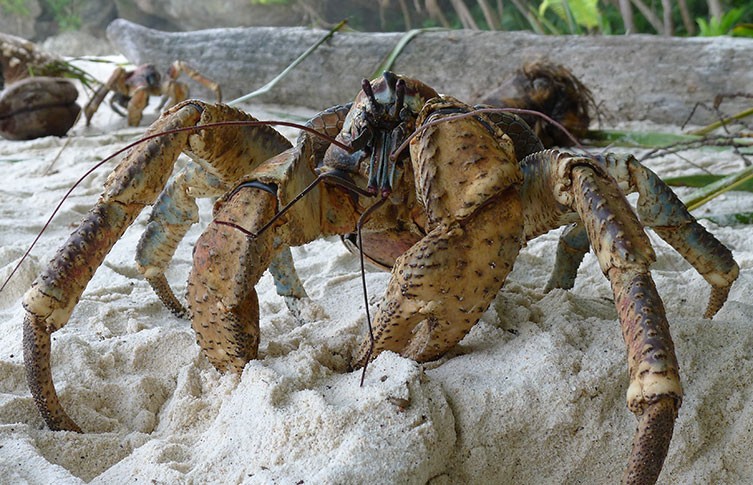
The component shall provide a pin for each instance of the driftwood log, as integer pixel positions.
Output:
(636, 77)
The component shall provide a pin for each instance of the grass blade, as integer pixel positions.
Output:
(267, 87)
(715, 189)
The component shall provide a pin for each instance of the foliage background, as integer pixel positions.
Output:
(609, 17)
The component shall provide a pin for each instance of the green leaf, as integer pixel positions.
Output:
(742, 30)
(730, 219)
(636, 139)
(720, 26)
(584, 13)
(715, 189)
(702, 180)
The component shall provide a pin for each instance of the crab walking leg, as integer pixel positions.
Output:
(659, 208)
(624, 253)
(49, 303)
(571, 247)
(174, 212)
(116, 78)
(177, 92)
(136, 182)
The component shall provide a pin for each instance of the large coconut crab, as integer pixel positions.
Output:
(450, 216)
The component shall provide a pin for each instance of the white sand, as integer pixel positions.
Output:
(534, 394)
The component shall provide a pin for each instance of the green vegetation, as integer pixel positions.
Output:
(681, 17)
(65, 13)
(665, 17)
(14, 7)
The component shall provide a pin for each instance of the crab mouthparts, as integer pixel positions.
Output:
(382, 166)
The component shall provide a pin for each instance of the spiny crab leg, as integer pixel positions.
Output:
(51, 299)
(660, 209)
(134, 184)
(624, 253)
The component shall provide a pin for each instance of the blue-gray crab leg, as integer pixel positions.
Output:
(172, 215)
(660, 208)
(571, 247)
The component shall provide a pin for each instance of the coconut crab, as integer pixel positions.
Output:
(449, 217)
(132, 89)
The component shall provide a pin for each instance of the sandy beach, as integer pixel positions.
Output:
(534, 394)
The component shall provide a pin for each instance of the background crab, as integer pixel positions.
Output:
(464, 202)
(132, 88)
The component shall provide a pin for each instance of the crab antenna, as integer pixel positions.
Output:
(321, 178)
(361, 221)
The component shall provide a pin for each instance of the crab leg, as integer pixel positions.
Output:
(116, 78)
(625, 254)
(51, 299)
(133, 185)
(572, 246)
(660, 209)
(174, 212)
(176, 92)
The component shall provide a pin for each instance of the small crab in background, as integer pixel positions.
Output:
(132, 89)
